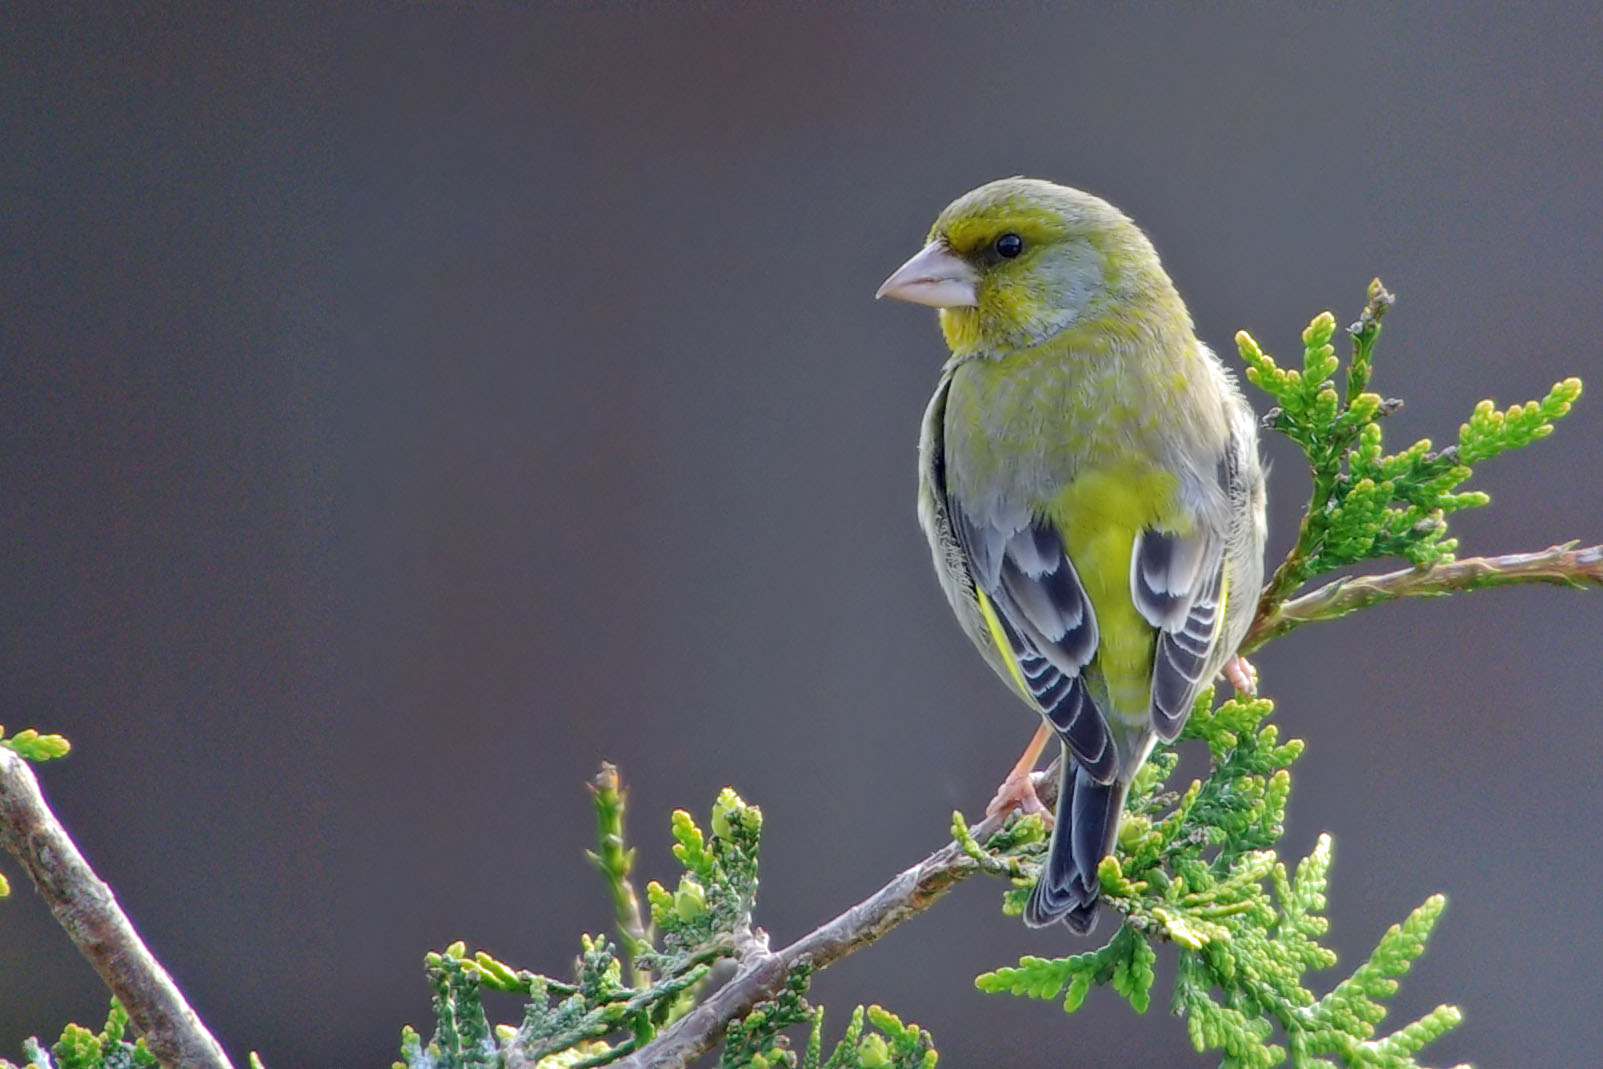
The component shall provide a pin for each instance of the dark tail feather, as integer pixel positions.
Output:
(1087, 824)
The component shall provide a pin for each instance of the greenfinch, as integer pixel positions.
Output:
(1090, 485)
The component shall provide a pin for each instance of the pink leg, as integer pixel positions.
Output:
(1016, 790)
(1242, 675)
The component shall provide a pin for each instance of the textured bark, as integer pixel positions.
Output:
(86, 908)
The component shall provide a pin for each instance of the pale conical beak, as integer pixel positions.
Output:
(936, 276)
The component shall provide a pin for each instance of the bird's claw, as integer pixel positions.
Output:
(1018, 792)
(1241, 675)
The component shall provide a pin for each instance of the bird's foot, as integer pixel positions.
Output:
(1241, 675)
(1018, 792)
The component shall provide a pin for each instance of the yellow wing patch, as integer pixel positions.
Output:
(999, 638)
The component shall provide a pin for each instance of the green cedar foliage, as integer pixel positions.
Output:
(596, 1018)
(1367, 504)
(1197, 868)
(79, 1048)
(32, 746)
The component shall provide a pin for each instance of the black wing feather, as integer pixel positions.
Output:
(1049, 624)
(1177, 583)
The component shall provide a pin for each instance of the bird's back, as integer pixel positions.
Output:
(1076, 432)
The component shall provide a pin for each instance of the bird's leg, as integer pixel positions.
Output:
(1017, 790)
(1241, 675)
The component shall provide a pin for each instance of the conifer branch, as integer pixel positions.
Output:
(762, 973)
(85, 907)
(1561, 565)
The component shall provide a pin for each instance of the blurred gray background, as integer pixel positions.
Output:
(404, 412)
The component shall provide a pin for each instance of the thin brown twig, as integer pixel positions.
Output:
(1562, 565)
(85, 907)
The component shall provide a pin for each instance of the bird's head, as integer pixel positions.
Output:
(1018, 260)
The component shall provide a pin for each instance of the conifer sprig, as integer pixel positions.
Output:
(596, 1019)
(1367, 504)
(1197, 868)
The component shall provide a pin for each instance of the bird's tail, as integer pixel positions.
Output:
(1087, 824)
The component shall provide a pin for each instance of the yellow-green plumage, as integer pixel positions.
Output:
(1090, 487)
(1074, 430)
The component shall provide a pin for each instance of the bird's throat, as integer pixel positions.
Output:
(961, 327)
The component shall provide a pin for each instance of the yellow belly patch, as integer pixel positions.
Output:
(1099, 514)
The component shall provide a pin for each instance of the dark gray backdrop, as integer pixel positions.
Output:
(404, 412)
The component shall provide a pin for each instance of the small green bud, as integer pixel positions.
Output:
(661, 902)
(690, 901)
(873, 1052)
(1252, 353)
(722, 810)
(730, 812)
(1319, 331)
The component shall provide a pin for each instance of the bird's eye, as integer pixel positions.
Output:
(1009, 245)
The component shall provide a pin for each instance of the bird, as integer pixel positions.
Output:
(1091, 489)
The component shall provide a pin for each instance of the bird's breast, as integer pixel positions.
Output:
(1020, 427)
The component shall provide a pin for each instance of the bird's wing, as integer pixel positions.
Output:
(1187, 586)
(1041, 620)
(1178, 585)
